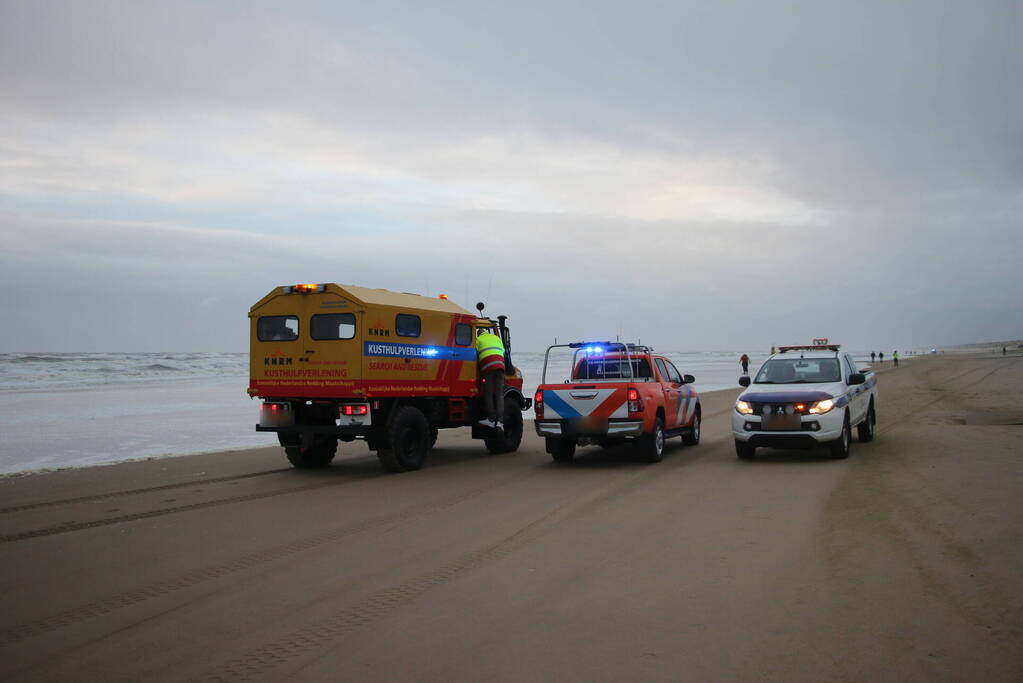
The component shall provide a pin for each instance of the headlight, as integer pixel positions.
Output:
(743, 408)
(821, 407)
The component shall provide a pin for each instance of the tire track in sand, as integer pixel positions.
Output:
(265, 659)
(105, 606)
(133, 492)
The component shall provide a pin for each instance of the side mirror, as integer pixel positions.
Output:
(744, 381)
(856, 378)
(688, 379)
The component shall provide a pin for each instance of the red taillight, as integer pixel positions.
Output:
(273, 406)
(635, 404)
(360, 409)
(538, 403)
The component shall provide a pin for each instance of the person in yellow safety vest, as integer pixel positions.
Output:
(490, 357)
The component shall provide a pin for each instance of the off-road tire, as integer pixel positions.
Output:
(865, 429)
(562, 450)
(692, 438)
(650, 447)
(511, 436)
(408, 440)
(319, 454)
(744, 451)
(839, 448)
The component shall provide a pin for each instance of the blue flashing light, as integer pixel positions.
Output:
(431, 351)
(594, 349)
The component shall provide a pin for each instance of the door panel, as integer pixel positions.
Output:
(671, 395)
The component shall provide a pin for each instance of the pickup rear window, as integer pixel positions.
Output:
(600, 368)
(277, 328)
(799, 371)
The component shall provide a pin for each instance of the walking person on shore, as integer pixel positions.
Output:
(880, 357)
(744, 361)
(873, 356)
(895, 358)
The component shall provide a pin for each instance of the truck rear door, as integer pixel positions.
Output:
(305, 344)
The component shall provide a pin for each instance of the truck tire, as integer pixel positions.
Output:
(319, 454)
(562, 450)
(650, 447)
(840, 446)
(511, 437)
(433, 436)
(692, 438)
(408, 440)
(865, 429)
(744, 450)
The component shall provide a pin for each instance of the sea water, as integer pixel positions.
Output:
(76, 409)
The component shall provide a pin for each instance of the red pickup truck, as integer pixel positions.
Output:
(614, 392)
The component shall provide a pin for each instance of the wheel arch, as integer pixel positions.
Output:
(514, 393)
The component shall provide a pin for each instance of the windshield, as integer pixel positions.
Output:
(799, 371)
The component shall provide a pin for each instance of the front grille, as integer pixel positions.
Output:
(758, 408)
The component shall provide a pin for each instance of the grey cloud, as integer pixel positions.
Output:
(895, 126)
(854, 101)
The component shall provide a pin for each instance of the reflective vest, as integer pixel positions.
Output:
(489, 352)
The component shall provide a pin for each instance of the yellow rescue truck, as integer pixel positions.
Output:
(339, 362)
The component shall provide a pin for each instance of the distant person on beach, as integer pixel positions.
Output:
(744, 361)
(895, 358)
(1003, 350)
(880, 357)
(873, 356)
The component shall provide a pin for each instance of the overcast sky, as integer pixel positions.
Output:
(701, 175)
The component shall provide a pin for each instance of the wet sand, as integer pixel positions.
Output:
(904, 562)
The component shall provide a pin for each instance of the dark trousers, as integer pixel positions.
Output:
(493, 395)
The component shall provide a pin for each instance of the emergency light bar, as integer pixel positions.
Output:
(807, 347)
(579, 345)
(305, 289)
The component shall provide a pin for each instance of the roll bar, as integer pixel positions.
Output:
(601, 347)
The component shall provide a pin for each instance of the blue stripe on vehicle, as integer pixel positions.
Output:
(427, 351)
(558, 404)
(790, 397)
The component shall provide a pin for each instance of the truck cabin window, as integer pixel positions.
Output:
(328, 326)
(463, 334)
(277, 328)
(406, 325)
(799, 371)
(612, 368)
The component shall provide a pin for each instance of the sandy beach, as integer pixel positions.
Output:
(904, 562)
